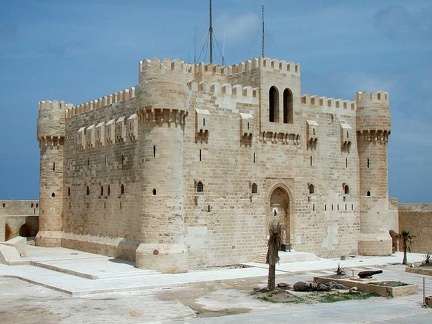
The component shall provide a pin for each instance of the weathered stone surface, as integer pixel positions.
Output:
(205, 157)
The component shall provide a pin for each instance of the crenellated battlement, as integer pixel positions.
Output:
(330, 103)
(216, 69)
(374, 96)
(226, 90)
(120, 96)
(166, 65)
(51, 105)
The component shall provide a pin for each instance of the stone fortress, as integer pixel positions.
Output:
(188, 168)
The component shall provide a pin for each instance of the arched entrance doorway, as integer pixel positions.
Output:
(25, 230)
(280, 212)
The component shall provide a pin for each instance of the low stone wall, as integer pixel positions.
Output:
(417, 219)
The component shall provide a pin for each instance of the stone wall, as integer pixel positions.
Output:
(417, 219)
(187, 169)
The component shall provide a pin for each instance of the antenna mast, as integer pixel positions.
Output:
(211, 34)
(263, 32)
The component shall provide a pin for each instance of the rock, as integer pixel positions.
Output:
(283, 285)
(335, 285)
(310, 286)
(353, 290)
(302, 286)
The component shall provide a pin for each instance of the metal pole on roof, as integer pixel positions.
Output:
(211, 34)
(263, 31)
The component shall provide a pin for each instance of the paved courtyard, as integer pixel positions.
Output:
(67, 286)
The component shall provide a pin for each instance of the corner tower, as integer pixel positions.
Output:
(373, 129)
(50, 134)
(162, 106)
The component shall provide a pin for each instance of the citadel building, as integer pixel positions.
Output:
(188, 168)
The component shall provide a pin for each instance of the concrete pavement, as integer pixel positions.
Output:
(81, 273)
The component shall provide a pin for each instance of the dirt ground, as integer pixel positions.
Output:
(22, 302)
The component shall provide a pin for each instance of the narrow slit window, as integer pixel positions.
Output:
(122, 189)
(368, 194)
(368, 163)
(88, 191)
(154, 192)
(101, 190)
(311, 160)
(53, 166)
(200, 155)
(154, 150)
(109, 190)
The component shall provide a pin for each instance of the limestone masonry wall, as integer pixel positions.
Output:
(187, 169)
(417, 219)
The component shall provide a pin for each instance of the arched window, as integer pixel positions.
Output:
(273, 105)
(368, 194)
(154, 192)
(311, 189)
(200, 187)
(254, 188)
(346, 189)
(288, 112)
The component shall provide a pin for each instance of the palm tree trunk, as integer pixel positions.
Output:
(405, 260)
(271, 277)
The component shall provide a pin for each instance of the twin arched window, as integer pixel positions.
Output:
(288, 109)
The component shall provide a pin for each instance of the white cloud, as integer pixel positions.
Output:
(237, 30)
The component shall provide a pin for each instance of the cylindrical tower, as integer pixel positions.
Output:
(163, 99)
(373, 129)
(50, 134)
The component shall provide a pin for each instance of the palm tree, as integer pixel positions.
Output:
(406, 243)
(273, 244)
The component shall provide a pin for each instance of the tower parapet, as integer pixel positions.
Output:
(373, 113)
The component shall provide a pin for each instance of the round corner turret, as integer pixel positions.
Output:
(373, 113)
(51, 119)
(163, 85)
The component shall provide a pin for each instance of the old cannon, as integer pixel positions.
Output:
(368, 273)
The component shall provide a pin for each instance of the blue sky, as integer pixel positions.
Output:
(81, 50)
